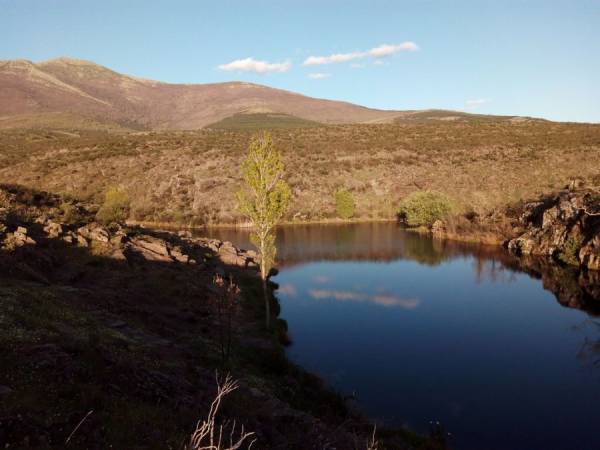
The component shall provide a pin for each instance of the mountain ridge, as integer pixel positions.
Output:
(81, 87)
(88, 92)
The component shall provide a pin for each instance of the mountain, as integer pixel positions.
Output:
(87, 90)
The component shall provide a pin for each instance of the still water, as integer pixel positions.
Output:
(422, 330)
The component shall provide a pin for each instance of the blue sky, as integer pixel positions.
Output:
(537, 58)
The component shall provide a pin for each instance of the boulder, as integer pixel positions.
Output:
(150, 248)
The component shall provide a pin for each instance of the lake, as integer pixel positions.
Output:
(504, 353)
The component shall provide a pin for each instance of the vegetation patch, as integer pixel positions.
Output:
(423, 208)
(344, 204)
(115, 207)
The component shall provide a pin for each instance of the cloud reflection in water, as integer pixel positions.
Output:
(388, 300)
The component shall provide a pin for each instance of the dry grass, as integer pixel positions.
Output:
(191, 177)
(210, 436)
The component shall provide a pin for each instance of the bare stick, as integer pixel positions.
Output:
(77, 427)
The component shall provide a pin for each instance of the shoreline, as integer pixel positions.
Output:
(170, 226)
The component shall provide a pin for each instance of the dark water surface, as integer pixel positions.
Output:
(505, 353)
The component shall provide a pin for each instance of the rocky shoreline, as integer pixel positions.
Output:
(564, 227)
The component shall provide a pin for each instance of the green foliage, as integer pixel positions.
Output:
(115, 207)
(422, 208)
(569, 254)
(344, 204)
(265, 196)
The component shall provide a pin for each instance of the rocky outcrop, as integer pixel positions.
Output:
(127, 244)
(565, 227)
(589, 254)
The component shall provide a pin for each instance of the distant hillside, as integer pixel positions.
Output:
(442, 115)
(187, 177)
(70, 93)
(89, 90)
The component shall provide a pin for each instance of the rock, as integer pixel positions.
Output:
(20, 238)
(230, 255)
(178, 255)
(94, 232)
(81, 241)
(53, 230)
(150, 248)
(521, 245)
(589, 254)
(558, 226)
(531, 212)
(119, 239)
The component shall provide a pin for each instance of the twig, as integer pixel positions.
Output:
(77, 427)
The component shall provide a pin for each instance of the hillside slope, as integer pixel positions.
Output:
(87, 89)
(191, 177)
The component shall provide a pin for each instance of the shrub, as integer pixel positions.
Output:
(422, 208)
(115, 207)
(569, 254)
(344, 204)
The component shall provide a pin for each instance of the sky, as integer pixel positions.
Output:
(531, 58)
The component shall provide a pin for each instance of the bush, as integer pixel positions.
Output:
(344, 204)
(423, 208)
(569, 254)
(115, 207)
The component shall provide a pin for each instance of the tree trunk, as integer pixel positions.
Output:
(263, 276)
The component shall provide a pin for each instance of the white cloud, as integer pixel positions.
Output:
(381, 51)
(252, 65)
(335, 58)
(378, 62)
(388, 50)
(357, 66)
(476, 103)
(318, 76)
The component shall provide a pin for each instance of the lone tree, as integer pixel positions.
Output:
(264, 199)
